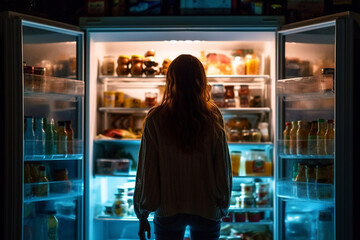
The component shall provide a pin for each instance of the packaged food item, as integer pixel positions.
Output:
(41, 188)
(239, 65)
(229, 96)
(252, 63)
(247, 189)
(123, 65)
(235, 162)
(300, 179)
(310, 173)
(262, 202)
(119, 99)
(261, 189)
(292, 141)
(255, 101)
(320, 137)
(301, 138)
(240, 217)
(165, 65)
(286, 137)
(329, 138)
(246, 135)
(255, 164)
(61, 138)
(150, 99)
(218, 95)
(327, 80)
(312, 143)
(244, 95)
(255, 135)
(109, 99)
(136, 65)
(120, 206)
(112, 166)
(254, 216)
(264, 130)
(108, 65)
(69, 133)
(246, 201)
(151, 66)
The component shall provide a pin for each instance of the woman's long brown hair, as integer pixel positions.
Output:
(186, 111)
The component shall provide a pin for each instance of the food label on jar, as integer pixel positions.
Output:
(259, 166)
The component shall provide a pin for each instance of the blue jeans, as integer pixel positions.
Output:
(173, 227)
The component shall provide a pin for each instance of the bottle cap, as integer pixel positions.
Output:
(320, 120)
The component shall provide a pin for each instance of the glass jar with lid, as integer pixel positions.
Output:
(244, 95)
(120, 205)
(108, 65)
(218, 94)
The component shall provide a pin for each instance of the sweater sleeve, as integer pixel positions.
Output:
(223, 173)
(147, 187)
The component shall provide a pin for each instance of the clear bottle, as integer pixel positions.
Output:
(61, 138)
(252, 63)
(301, 138)
(239, 65)
(312, 142)
(329, 138)
(50, 138)
(41, 189)
(120, 206)
(320, 137)
(40, 136)
(52, 226)
(69, 132)
(292, 140)
(286, 137)
(29, 136)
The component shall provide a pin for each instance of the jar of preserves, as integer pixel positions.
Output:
(108, 65)
(136, 65)
(244, 95)
(123, 65)
(247, 201)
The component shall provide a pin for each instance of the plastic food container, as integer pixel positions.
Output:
(113, 166)
(247, 189)
(240, 217)
(254, 216)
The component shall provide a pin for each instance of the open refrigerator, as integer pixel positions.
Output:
(108, 107)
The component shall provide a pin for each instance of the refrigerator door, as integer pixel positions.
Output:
(315, 87)
(44, 96)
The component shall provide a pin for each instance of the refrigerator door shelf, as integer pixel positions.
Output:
(47, 84)
(54, 157)
(300, 156)
(311, 193)
(55, 190)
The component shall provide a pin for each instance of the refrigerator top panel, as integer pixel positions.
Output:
(263, 23)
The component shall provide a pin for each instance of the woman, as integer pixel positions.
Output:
(184, 169)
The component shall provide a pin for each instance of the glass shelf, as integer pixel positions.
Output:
(53, 157)
(38, 85)
(309, 192)
(236, 209)
(54, 190)
(131, 174)
(145, 110)
(305, 156)
(302, 88)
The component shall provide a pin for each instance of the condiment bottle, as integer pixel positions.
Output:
(41, 189)
(320, 137)
(69, 133)
(229, 96)
(29, 136)
(286, 137)
(50, 137)
(292, 142)
(329, 138)
(61, 138)
(52, 226)
(312, 138)
(39, 136)
(301, 138)
(28, 179)
(244, 95)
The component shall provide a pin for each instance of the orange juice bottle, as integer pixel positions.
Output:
(252, 63)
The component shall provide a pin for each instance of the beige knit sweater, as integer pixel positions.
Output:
(169, 181)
